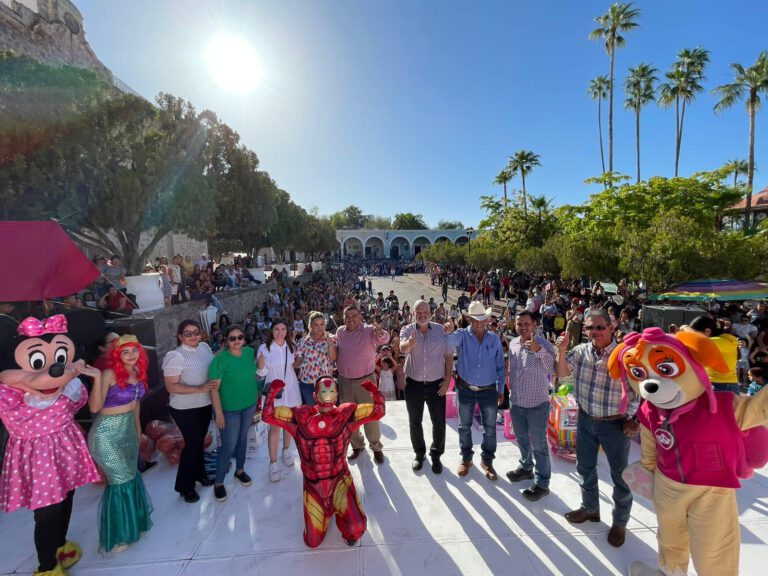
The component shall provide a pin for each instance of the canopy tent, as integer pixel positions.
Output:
(40, 262)
(724, 290)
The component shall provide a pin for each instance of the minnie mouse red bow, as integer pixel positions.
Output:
(32, 326)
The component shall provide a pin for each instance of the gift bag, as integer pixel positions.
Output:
(451, 405)
(508, 432)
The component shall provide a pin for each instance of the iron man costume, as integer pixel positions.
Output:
(322, 434)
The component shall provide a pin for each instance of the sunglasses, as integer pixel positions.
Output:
(236, 338)
(596, 328)
(191, 334)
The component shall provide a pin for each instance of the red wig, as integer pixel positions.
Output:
(121, 373)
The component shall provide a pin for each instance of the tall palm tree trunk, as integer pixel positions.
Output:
(680, 137)
(600, 131)
(637, 138)
(525, 198)
(505, 196)
(677, 133)
(751, 168)
(610, 116)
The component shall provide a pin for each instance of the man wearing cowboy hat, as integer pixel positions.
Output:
(481, 382)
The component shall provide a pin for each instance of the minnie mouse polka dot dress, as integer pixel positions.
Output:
(46, 455)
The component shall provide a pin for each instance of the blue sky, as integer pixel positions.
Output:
(415, 106)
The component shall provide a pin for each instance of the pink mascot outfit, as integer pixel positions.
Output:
(696, 445)
(322, 434)
(46, 457)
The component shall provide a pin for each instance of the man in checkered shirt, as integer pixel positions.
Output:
(531, 365)
(603, 421)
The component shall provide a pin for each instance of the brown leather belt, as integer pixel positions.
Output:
(605, 418)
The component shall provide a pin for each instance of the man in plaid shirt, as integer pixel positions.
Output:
(531, 365)
(603, 421)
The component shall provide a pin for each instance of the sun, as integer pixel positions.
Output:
(234, 64)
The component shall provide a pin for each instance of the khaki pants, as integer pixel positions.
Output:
(351, 391)
(701, 519)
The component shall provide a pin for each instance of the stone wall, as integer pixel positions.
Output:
(237, 304)
(53, 34)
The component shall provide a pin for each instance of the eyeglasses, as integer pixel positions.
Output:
(191, 334)
(236, 338)
(596, 328)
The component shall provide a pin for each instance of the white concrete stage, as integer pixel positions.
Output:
(418, 524)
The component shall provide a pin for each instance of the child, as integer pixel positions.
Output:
(742, 364)
(559, 323)
(756, 380)
(387, 378)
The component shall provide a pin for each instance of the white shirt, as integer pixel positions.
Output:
(279, 366)
(192, 365)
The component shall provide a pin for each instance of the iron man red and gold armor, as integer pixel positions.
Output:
(322, 434)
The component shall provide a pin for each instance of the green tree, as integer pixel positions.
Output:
(640, 91)
(450, 225)
(747, 82)
(502, 178)
(598, 90)
(523, 162)
(542, 207)
(682, 86)
(736, 167)
(377, 223)
(351, 218)
(620, 18)
(537, 260)
(124, 169)
(408, 221)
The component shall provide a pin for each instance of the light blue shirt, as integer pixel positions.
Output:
(479, 363)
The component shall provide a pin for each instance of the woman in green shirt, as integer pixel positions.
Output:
(233, 405)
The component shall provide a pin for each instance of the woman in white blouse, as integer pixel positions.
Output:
(185, 370)
(275, 361)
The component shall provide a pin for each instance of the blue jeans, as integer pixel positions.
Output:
(307, 393)
(726, 388)
(487, 400)
(234, 440)
(530, 426)
(590, 435)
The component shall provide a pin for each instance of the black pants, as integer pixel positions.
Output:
(416, 395)
(193, 424)
(51, 525)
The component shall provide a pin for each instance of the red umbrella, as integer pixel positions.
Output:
(40, 262)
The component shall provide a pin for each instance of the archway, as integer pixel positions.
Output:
(352, 248)
(442, 239)
(399, 247)
(461, 240)
(374, 247)
(420, 244)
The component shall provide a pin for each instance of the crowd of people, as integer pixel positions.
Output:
(503, 344)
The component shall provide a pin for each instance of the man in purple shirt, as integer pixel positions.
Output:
(356, 361)
(531, 365)
(428, 367)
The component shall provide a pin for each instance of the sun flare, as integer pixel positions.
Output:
(234, 64)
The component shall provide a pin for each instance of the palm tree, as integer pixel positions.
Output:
(681, 88)
(540, 204)
(502, 178)
(640, 91)
(737, 167)
(619, 18)
(598, 90)
(524, 161)
(750, 82)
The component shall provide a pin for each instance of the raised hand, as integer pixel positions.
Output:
(562, 343)
(275, 388)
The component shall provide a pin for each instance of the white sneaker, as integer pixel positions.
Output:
(274, 472)
(287, 457)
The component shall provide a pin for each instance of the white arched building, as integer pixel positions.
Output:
(393, 243)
